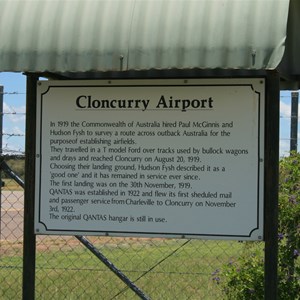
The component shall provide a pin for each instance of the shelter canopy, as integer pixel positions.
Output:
(62, 36)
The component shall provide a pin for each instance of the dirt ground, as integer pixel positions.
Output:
(12, 215)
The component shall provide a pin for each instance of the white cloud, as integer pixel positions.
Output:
(14, 114)
(284, 148)
(285, 109)
(10, 148)
(17, 130)
(13, 144)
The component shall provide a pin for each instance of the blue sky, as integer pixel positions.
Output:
(14, 114)
(14, 101)
(285, 122)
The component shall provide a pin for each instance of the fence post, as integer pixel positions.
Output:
(29, 242)
(1, 144)
(271, 185)
(1, 117)
(294, 121)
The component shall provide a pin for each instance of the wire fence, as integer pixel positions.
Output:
(14, 136)
(66, 269)
(11, 238)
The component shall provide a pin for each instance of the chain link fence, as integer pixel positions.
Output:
(11, 235)
(67, 269)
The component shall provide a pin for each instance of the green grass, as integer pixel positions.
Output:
(179, 272)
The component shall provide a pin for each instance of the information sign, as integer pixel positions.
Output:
(165, 158)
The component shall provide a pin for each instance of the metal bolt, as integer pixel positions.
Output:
(253, 54)
(121, 62)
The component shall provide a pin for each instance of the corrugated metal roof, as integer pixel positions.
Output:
(110, 35)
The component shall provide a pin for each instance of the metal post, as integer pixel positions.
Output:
(29, 237)
(1, 144)
(294, 121)
(1, 117)
(112, 267)
(271, 185)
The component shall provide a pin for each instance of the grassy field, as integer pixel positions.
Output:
(177, 269)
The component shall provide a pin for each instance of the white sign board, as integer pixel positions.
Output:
(166, 158)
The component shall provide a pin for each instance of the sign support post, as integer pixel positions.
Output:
(29, 243)
(271, 185)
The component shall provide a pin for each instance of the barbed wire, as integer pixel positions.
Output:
(13, 113)
(289, 139)
(286, 96)
(12, 134)
(10, 151)
(23, 93)
(289, 117)
(12, 93)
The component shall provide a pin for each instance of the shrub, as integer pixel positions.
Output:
(244, 277)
